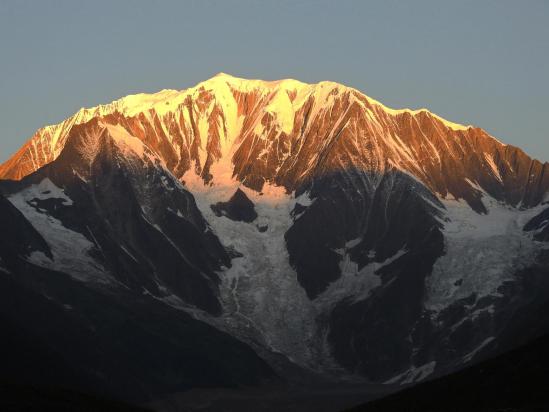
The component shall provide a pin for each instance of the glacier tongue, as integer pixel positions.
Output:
(482, 252)
(260, 293)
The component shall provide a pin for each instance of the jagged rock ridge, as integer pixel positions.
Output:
(285, 132)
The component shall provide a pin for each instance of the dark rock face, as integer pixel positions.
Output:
(238, 207)
(19, 237)
(539, 225)
(372, 211)
(523, 311)
(140, 220)
(375, 337)
(380, 215)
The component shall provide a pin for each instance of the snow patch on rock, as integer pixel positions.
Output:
(472, 354)
(70, 250)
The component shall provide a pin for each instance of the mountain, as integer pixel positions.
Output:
(309, 231)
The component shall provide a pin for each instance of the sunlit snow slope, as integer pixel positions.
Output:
(286, 131)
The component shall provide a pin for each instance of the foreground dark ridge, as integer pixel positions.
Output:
(514, 382)
(29, 398)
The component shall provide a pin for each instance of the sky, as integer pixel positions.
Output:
(484, 63)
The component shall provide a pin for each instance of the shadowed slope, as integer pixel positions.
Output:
(513, 382)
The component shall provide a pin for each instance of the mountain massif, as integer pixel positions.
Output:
(248, 232)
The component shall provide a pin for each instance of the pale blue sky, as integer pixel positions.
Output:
(475, 62)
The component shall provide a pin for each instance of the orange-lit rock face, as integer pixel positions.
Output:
(287, 132)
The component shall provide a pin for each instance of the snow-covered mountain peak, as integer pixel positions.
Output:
(285, 132)
(248, 84)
